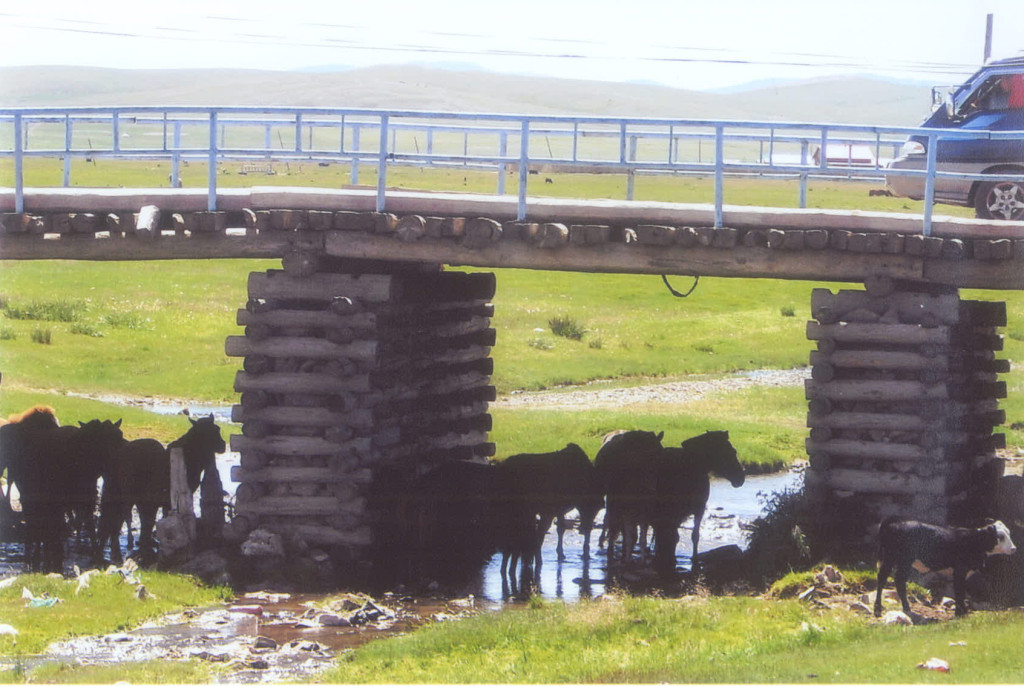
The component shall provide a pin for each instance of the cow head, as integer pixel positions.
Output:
(1003, 546)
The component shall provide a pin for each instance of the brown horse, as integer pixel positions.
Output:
(55, 469)
(551, 484)
(625, 466)
(12, 449)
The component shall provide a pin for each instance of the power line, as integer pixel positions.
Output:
(676, 54)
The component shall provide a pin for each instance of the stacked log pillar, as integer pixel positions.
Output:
(349, 374)
(902, 403)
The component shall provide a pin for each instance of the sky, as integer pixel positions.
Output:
(703, 44)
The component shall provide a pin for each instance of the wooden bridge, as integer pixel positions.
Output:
(483, 231)
(366, 361)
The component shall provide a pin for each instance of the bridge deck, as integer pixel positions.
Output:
(481, 230)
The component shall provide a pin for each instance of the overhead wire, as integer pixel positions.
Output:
(668, 53)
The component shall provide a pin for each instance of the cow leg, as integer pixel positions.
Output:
(884, 569)
(901, 586)
(959, 590)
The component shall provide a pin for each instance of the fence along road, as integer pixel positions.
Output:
(500, 230)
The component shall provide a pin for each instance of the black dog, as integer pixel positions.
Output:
(905, 543)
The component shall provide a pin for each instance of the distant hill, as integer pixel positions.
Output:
(858, 100)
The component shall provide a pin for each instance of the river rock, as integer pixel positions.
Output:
(333, 620)
(263, 543)
(208, 566)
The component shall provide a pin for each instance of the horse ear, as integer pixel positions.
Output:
(117, 424)
(661, 435)
(81, 423)
(193, 422)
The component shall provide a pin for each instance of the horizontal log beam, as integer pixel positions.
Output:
(889, 483)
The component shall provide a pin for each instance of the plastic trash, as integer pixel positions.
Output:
(935, 664)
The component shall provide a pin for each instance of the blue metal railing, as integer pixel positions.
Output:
(473, 141)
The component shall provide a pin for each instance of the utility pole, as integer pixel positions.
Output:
(988, 39)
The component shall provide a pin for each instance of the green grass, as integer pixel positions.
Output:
(688, 640)
(107, 605)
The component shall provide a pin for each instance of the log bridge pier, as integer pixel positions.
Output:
(364, 354)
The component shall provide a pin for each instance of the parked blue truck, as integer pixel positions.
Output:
(990, 100)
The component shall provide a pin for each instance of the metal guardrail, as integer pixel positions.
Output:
(503, 143)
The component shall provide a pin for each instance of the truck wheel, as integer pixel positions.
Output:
(999, 200)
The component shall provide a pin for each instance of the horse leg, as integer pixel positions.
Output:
(560, 527)
(147, 519)
(695, 536)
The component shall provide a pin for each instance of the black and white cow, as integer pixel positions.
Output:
(905, 543)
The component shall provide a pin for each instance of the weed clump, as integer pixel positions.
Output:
(567, 327)
(794, 535)
(46, 310)
(42, 336)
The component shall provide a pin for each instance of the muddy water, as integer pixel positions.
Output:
(729, 510)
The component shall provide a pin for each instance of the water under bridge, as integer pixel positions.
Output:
(363, 352)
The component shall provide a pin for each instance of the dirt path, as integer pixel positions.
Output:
(676, 392)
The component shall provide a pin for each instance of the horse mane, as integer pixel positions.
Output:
(18, 417)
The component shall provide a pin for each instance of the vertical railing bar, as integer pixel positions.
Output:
(211, 172)
(524, 157)
(929, 182)
(575, 141)
(298, 132)
(631, 171)
(823, 149)
(341, 147)
(502, 151)
(67, 150)
(719, 173)
(116, 130)
(354, 175)
(622, 142)
(802, 193)
(176, 157)
(382, 162)
(19, 168)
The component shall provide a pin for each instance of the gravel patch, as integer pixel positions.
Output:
(676, 392)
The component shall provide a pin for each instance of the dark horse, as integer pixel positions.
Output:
(56, 469)
(683, 487)
(13, 434)
(139, 476)
(551, 484)
(625, 466)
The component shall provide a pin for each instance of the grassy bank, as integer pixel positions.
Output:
(689, 640)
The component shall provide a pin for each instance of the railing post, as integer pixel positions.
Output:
(802, 198)
(354, 177)
(502, 151)
(929, 182)
(211, 172)
(719, 173)
(524, 169)
(630, 173)
(67, 150)
(176, 157)
(19, 165)
(382, 162)
(298, 132)
(116, 123)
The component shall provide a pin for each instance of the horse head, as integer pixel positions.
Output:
(720, 455)
(201, 443)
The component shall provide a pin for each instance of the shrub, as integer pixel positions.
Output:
(125, 320)
(7, 333)
(596, 344)
(42, 336)
(46, 311)
(787, 311)
(83, 329)
(567, 327)
(540, 344)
